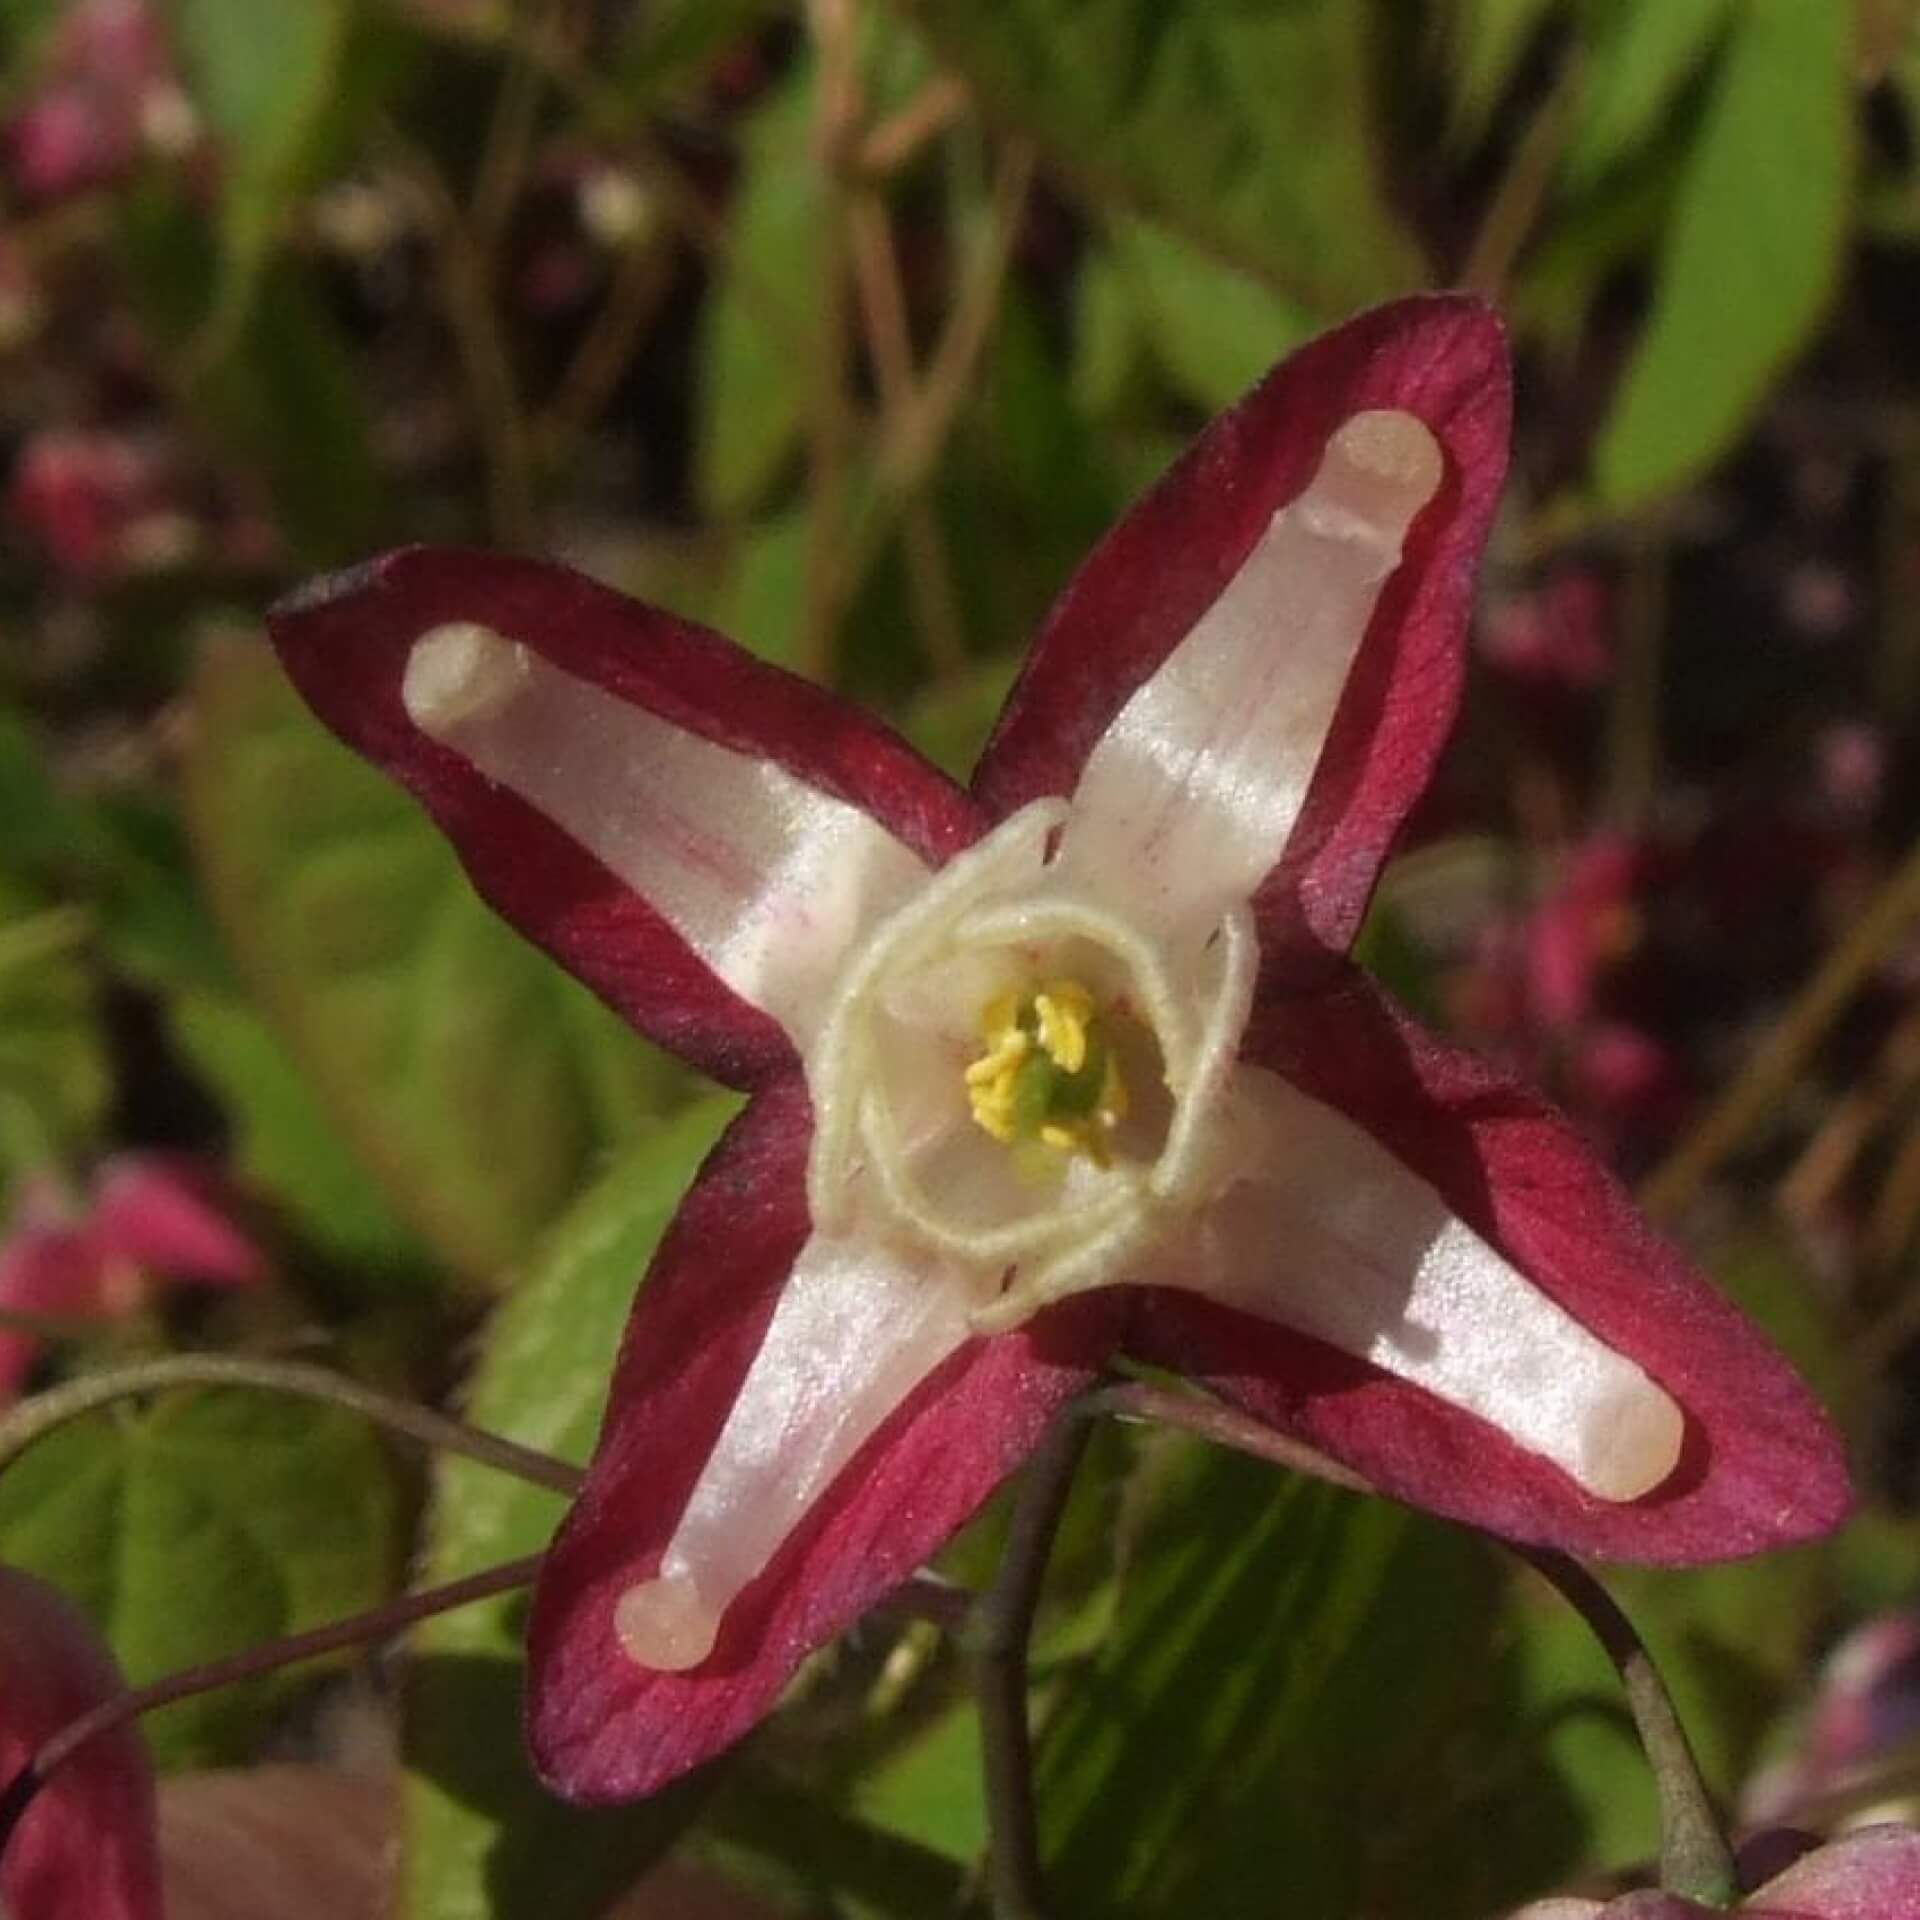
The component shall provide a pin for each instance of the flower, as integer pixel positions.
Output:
(1870, 1874)
(148, 1214)
(108, 95)
(87, 1844)
(1067, 1065)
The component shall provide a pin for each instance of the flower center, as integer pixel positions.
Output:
(1049, 1076)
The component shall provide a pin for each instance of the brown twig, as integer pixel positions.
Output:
(876, 274)
(32, 1420)
(1774, 1064)
(997, 1637)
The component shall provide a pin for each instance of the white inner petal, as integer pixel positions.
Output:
(1189, 797)
(770, 881)
(1329, 1233)
(858, 1327)
(840, 1066)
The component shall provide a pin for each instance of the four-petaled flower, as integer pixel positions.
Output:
(1066, 1066)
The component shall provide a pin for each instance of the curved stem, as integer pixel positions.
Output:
(34, 1419)
(355, 1631)
(997, 1638)
(1695, 1859)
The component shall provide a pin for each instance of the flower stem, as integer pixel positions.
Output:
(1695, 1860)
(358, 1630)
(34, 1419)
(997, 1636)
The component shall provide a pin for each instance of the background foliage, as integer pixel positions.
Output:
(846, 329)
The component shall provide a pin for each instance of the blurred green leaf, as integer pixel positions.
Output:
(478, 1082)
(55, 1080)
(1750, 259)
(483, 1840)
(950, 724)
(211, 1523)
(285, 1144)
(757, 341)
(265, 77)
(1282, 1658)
(1213, 329)
(1486, 42)
(1642, 54)
(1250, 129)
(930, 1789)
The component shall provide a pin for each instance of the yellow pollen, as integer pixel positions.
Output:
(1047, 1076)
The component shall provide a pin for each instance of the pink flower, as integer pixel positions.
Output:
(1872, 1874)
(110, 94)
(86, 1845)
(148, 1215)
(1066, 1065)
(101, 504)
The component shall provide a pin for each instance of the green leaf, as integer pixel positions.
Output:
(1749, 262)
(1643, 54)
(211, 1523)
(266, 78)
(478, 1083)
(483, 1841)
(1214, 330)
(1283, 1654)
(757, 341)
(1250, 129)
(1487, 40)
(285, 1143)
(55, 1080)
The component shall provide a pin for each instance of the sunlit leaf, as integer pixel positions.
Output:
(1250, 129)
(477, 1082)
(1750, 259)
(1282, 1658)
(212, 1523)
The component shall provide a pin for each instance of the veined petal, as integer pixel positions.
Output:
(1331, 1235)
(1760, 1465)
(87, 1845)
(1375, 667)
(695, 834)
(836, 1415)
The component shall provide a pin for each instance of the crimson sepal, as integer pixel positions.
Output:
(1761, 1465)
(345, 639)
(604, 1729)
(87, 1844)
(1442, 358)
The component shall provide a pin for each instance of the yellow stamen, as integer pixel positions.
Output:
(1047, 1076)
